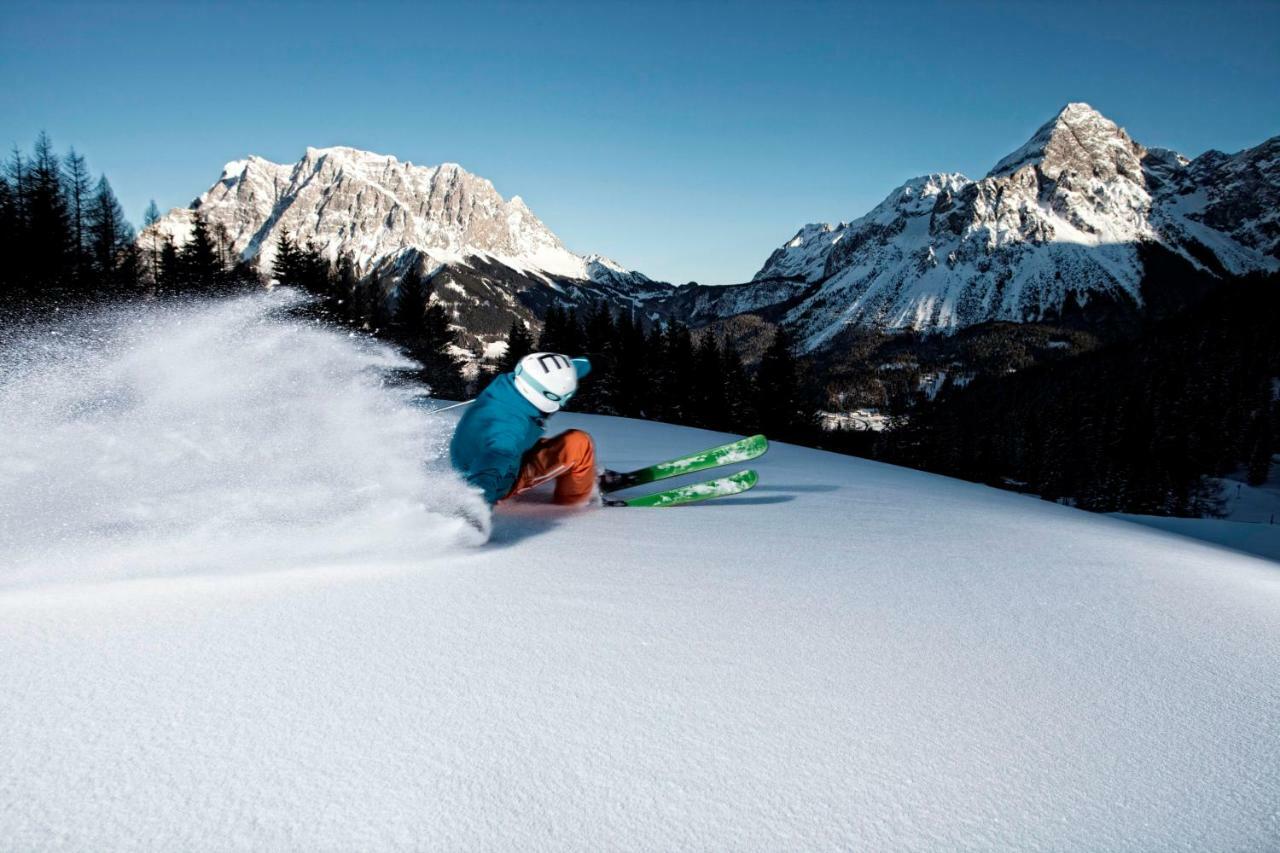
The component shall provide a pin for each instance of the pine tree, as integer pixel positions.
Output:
(365, 305)
(225, 252)
(442, 369)
(286, 267)
(169, 276)
(79, 190)
(708, 400)
(655, 389)
(315, 274)
(599, 329)
(411, 299)
(1261, 445)
(552, 334)
(675, 374)
(781, 404)
(128, 277)
(151, 217)
(17, 265)
(344, 286)
(8, 237)
(630, 358)
(600, 394)
(48, 227)
(110, 239)
(519, 344)
(430, 340)
(738, 414)
(199, 258)
(422, 327)
(379, 308)
(574, 340)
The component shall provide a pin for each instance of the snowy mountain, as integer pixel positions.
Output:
(490, 257)
(238, 610)
(702, 304)
(1068, 219)
(1064, 218)
(369, 206)
(1230, 203)
(804, 256)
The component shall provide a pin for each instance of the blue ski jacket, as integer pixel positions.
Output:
(493, 435)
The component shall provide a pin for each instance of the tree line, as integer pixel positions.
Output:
(642, 370)
(62, 233)
(667, 373)
(205, 264)
(65, 238)
(406, 316)
(1136, 426)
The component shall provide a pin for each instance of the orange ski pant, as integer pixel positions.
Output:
(568, 458)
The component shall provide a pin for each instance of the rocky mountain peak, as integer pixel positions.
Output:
(1081, 140)
(1068, 219)
(371, 207)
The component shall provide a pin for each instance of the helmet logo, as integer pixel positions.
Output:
(557, 361)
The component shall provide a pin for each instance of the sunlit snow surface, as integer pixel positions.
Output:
(851, 656)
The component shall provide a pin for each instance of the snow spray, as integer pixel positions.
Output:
(213, 436)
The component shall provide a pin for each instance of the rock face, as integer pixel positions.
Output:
(702, 304)
(491, 260)
(1064, 218)
(804, 256)
(1236, 197)
(368, 206)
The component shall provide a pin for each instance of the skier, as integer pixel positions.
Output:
(498, 445)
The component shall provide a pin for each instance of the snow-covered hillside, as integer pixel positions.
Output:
(1062, 220)
(237, 611)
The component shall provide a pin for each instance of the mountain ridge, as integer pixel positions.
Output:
(445, 210)
(1060, 220)
(489, 260)
(1066, 220)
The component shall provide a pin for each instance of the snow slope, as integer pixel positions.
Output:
(236, 613)
(1249, 522)
(1249, 537)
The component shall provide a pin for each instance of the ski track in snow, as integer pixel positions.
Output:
(850, 656)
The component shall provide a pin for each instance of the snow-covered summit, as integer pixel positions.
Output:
(804, 255)
(1062, 219)
(605, 270)
(371, 207)
(1078, 138)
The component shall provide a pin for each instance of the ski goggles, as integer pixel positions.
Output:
(561, 399)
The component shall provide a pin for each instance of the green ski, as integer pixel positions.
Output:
(726, 454)
(734, 484)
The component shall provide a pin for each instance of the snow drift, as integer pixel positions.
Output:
(853, 656)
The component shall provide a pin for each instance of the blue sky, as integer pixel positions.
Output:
(684, 140)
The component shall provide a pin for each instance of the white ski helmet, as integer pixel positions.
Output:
(549, 379)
